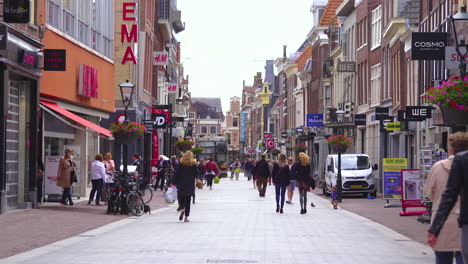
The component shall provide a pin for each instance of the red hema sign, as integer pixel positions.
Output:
(270, 144)
(125, 35)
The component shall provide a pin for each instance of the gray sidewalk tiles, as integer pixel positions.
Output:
(232, 224)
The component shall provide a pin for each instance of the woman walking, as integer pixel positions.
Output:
(211, 170)
(110, 172)
(449, 240)
(98, 175)
(66, 176)
(280, 177)
(184, 179)
(303, 179)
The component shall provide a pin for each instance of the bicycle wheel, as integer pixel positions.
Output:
(146, 194)
(135, 204)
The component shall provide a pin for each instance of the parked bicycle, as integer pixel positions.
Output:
(124, 198)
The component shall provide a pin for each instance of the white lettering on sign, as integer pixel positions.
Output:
(160, 58)
(419, 112)
(160, 120)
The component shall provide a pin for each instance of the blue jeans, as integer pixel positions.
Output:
(97, 186)
(446, 257)
(67, 195)
(280, 190)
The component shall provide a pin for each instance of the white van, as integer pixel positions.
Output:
(357, 174)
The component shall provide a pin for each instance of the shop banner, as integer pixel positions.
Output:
(51, 169)
(391, 177)
(155, 148)
(412, 185)
(243, 126)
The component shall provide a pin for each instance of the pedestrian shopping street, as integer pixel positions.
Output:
(232, 224)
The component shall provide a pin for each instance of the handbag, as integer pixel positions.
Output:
(199, 184)
(216, 180)
(73, 177)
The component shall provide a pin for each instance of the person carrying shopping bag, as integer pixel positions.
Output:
(184, 178)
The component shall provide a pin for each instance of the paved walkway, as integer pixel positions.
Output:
(232, 224)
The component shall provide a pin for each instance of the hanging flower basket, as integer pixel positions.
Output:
(274, 151)
(299, 148)
(130, 138)
(452, 93)
(339, 143)
(126, 132)
(184, 145)
(454, 117)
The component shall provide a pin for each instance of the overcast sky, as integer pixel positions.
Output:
(226, 42)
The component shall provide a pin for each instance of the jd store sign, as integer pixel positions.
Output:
(428, 45)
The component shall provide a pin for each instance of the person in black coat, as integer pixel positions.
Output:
(456, 188)
(262, 172)
(184, 179)
(281, 179)
(303, 180)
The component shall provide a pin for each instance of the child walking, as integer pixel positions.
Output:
(334, 201)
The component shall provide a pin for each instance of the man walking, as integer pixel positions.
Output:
(262, 171)
(292, 177)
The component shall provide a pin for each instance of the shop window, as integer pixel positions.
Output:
(203, 130)
(191, 115)
(235, 122)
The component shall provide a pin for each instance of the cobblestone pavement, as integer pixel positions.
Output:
(232, 224)
(33, 228)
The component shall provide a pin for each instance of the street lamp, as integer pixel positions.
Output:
(339, 183)
(126, 91)
(459, 26)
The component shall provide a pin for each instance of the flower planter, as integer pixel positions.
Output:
(454, 117)
(131, 138)
(340, 148)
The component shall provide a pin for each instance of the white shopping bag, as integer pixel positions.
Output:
(171, 195)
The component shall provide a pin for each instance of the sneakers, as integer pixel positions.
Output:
(288, 202)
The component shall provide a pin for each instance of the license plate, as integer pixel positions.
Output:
(356, 186)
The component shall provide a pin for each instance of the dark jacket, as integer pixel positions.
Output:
(184, 179)
(280, 174)
(262, 169)
(292, 171)
(457, 185)
(303, 173)
(248, 166)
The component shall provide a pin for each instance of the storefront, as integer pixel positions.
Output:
(19, 82)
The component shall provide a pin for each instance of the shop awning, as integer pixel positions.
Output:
(76, 118)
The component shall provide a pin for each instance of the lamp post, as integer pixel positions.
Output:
(126, 91)
(459, 26)
(339, 183)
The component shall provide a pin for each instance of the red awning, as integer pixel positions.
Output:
(77, 119)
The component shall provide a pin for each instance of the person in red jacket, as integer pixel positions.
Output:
(211, 170)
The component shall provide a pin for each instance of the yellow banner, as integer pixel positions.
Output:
(393, 126)
(395, 162)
